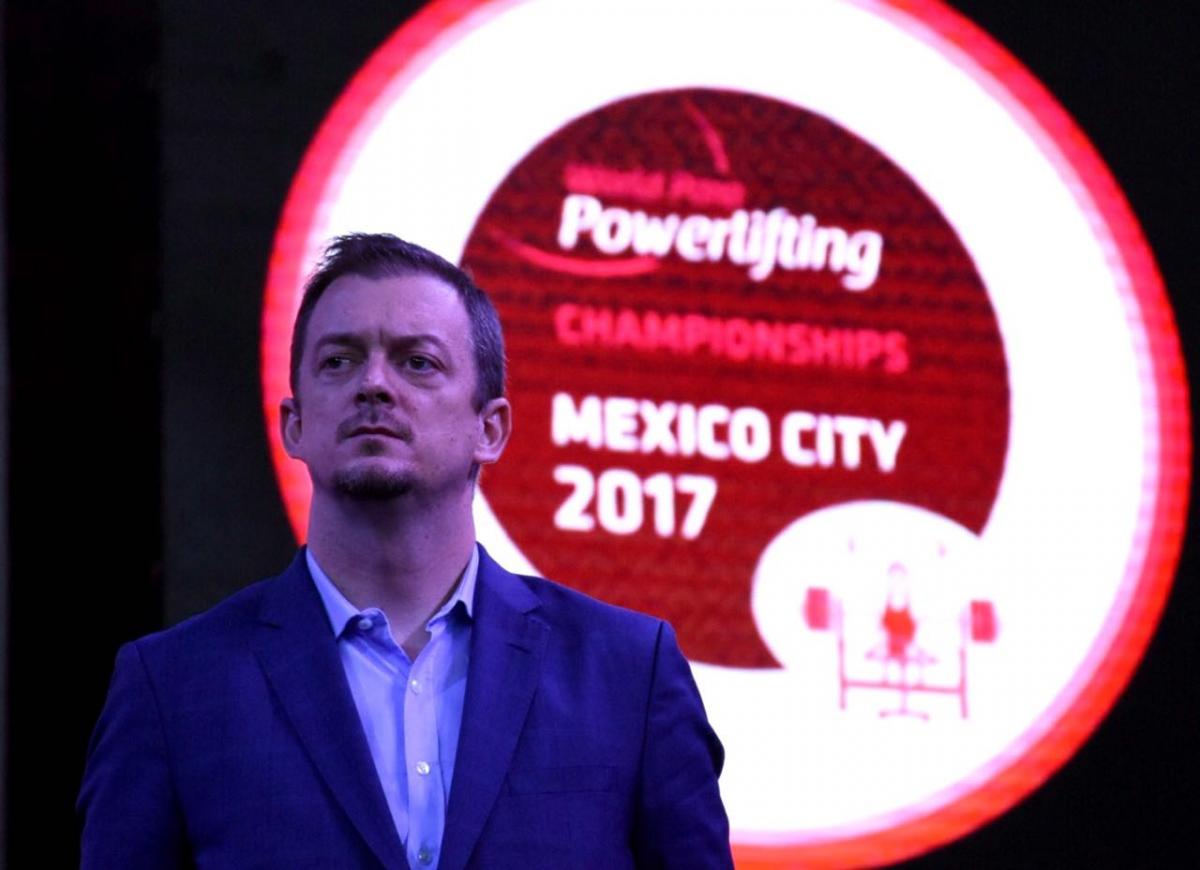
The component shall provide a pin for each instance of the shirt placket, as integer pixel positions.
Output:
(426, 787)
(387, 668)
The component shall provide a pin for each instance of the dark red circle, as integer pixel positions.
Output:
(920, 344)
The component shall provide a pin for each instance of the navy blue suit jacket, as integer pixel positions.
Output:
(232, 740)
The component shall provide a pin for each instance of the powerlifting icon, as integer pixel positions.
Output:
(901, 658)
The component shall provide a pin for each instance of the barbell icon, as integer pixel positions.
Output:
(822, 612)
(820, 606)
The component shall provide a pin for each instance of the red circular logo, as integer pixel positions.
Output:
(859, 373)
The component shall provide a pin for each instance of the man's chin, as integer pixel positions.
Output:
(373, 483)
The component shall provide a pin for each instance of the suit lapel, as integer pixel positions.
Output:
(506, 648)
(297, 650)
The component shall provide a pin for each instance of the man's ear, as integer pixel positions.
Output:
(289, 426)
(496, 417)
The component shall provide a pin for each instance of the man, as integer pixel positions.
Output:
(396, 698)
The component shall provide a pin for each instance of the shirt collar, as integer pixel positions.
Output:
(340, 611)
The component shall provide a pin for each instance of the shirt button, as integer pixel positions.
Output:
(423, 768)
(365, 624)
(425, 856)
(415, 685)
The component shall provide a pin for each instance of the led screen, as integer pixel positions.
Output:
(837, 347)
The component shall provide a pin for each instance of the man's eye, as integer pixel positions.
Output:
(420, 363)
(335, 362)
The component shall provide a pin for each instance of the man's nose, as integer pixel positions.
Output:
(375, 384)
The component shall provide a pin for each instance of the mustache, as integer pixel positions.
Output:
(374, 422)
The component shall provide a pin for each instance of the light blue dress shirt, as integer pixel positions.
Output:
(411, 711)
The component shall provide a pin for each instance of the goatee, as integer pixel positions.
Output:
(372, 484)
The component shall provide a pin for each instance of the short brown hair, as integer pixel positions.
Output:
(379, 255)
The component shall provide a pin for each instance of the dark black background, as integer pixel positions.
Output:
(148, 150)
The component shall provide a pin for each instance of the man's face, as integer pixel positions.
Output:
(384, 402)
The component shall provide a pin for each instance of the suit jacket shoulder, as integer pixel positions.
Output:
(591, 619)
(232, 740)
(199, 641)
